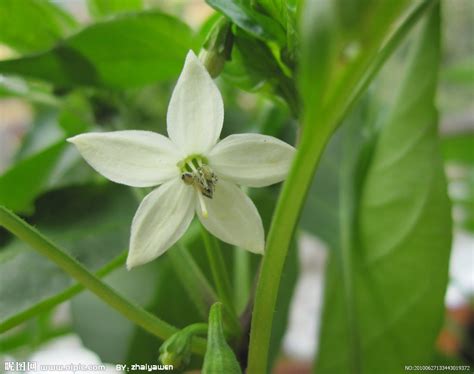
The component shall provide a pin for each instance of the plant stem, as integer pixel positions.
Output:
(60, 297)
(386, 51)
(242, 279)
(218, 267)
(199, 328)
(71, 266)
(221, 278)
(322, 122)
(281, 231)
(193, 280)
(12, 342)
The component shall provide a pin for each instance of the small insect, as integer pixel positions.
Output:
(203, 179)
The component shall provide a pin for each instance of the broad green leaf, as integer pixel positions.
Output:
(274, 8)
(386, 279)
(255, 23)
(44, 161)
(20, 185)
(100, 8)
(152, 47)
(339, 41)
(252, 64)
(43, 132)
(32, 25)
(253, 67)
(92, 223)
(322, 214)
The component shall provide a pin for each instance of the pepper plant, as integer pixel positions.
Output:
(286, 96)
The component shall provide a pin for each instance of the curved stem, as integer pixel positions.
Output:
(60, 297)
(199, 328)
(193, 280)
(221, 279)
(386, 51)
(322, 124)
(76, 270)
(218, 268)
(282, 228)
(242, 279)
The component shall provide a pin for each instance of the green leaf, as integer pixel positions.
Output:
(152, 48)
(101, 8)
(32, 25)
(339, 42)
(255, 23)
(321, 215)
(387, 277)
(277, 9)
(91, 222)
(45, 160)
(321, 117)
(21, 184)
(254, 67)
(252, 64)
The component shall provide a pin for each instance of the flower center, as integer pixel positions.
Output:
(195, 172)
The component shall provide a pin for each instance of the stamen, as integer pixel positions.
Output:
(190, 164)
(203, 205)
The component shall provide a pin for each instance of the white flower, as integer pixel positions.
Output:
(195, 173)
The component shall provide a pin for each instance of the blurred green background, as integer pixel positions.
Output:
(44, 179)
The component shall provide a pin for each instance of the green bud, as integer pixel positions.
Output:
(219, 356)
(217, 48)
(176, 350)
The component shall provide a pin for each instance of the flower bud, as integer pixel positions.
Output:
(176, 350)
(219, 356)
(217, 48)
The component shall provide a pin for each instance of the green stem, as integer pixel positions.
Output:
(60, 297)
(199, 328)
(386, 51)
(193, 280)
(346, 223)
(218, 268)
(242, 279)
(76, 270)
(221, 279)
(281, 231)
(322, 124)
(10, 343)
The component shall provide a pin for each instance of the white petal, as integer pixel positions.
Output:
(233, 218)
(161, 219)
(196, 112)
(135, 158)
(251, 160)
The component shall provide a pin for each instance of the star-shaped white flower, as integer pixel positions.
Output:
(197, 172)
